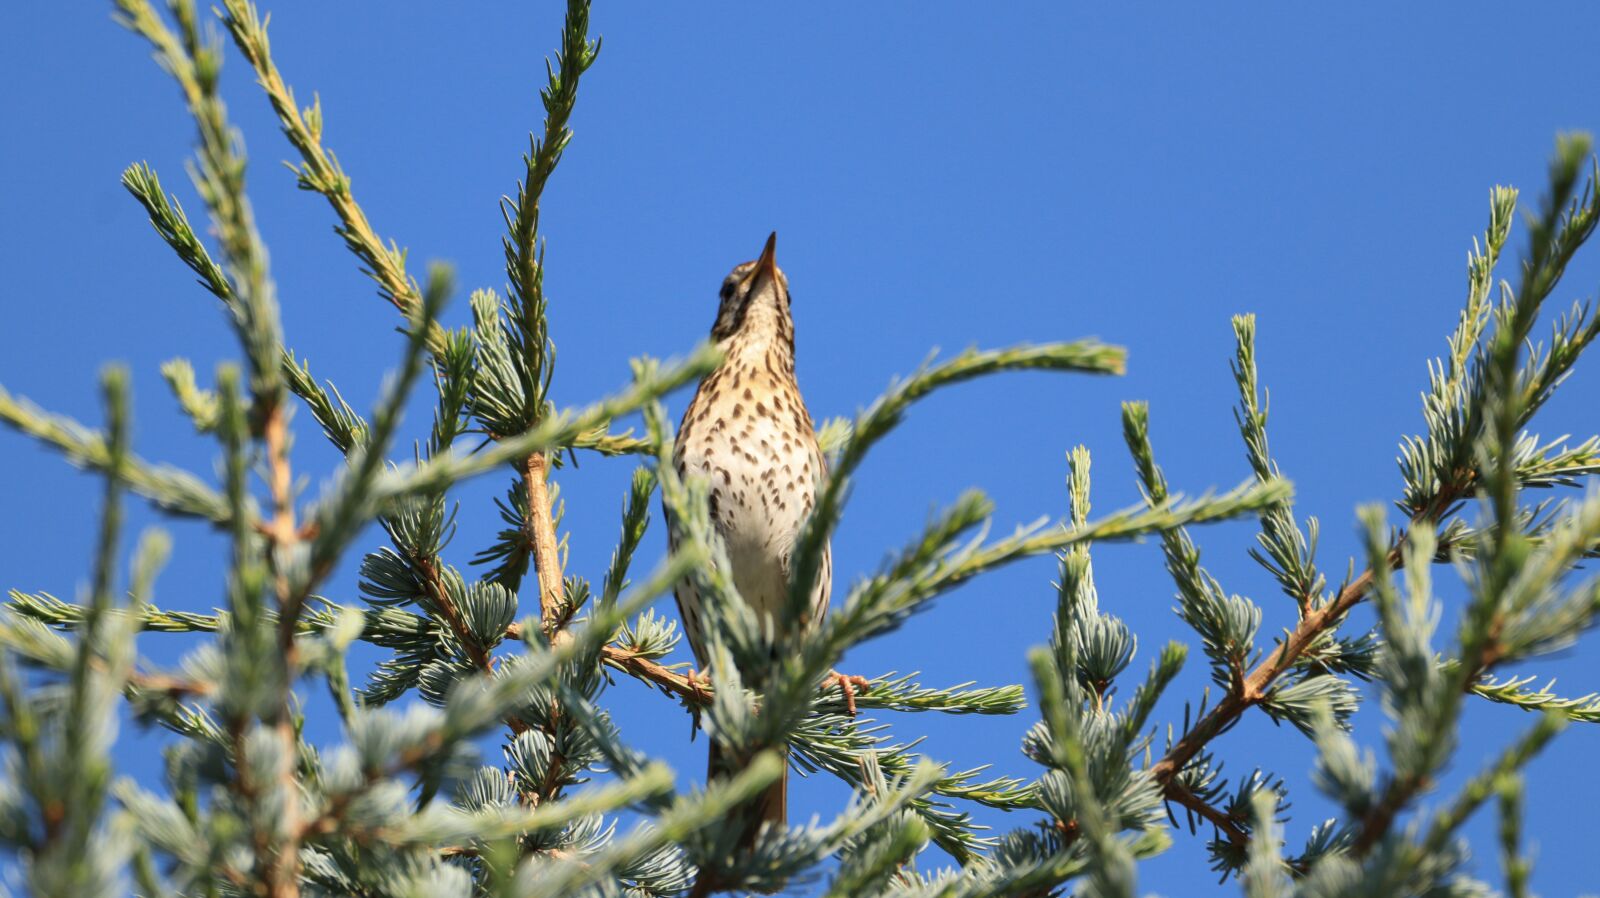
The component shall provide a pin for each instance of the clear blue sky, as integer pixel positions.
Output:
(939, 176)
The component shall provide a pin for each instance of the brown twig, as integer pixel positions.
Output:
(1256, 685)
(1178, 793)
(282, 876)
(1224, 823)
(540, 530)
(166, 684)
(698, 690)
(656, 674)
(428, 567)
(1382, 815)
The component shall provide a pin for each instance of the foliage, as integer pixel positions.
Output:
(404, 807)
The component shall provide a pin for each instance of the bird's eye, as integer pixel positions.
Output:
(727, 289)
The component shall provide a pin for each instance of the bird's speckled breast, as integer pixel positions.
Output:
(748, 433)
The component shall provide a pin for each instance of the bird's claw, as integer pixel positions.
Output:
(697, 686)
(847, 683)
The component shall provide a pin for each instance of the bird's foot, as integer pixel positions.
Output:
(847, 684)
(697, 687)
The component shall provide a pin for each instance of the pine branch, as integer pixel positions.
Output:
(392, 628)
(831, 435)
(1263, 874)
(879, 604)
(168, 218)
(839, 745)
(195, 64)
(554, 432)
(523, 250)
(1518, 867)
(526, 328)
(899, 693)
(453, 827)
(62, 762)
(427, 566)
(169, 489)
(321, 173)
(1256, 685)
(219, 176)
(884, 414)
(686, 816)
(1289, 554)
(199, 404)
(1110, 868)
(1513, 691)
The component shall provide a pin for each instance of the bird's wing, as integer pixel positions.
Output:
(688, 600)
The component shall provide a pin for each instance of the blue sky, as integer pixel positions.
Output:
(939, 176)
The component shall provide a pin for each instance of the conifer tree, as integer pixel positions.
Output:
(501, 640)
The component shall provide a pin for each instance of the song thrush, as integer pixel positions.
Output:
(748, 433)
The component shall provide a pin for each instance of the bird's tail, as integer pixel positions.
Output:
(771, 806)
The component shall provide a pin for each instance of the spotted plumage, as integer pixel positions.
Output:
(747, 432)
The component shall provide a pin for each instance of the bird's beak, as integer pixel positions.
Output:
(767, 265)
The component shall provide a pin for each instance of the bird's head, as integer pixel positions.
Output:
(755, 298)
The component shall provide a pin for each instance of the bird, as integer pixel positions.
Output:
(748, 433)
